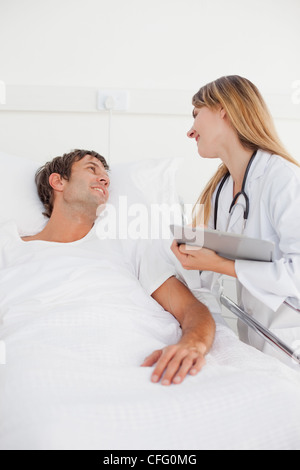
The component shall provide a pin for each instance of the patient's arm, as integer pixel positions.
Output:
(198, 331)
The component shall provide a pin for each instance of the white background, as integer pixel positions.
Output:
(163, 49)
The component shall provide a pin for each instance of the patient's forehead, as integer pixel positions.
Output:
(89, 159)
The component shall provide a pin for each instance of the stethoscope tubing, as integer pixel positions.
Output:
(241, 193)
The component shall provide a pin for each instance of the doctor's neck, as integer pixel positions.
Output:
(236, 158)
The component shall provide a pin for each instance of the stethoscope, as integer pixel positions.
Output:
(241, 193)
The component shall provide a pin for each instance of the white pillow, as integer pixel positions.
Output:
(18, 194)
(149, 181)
(152, 181)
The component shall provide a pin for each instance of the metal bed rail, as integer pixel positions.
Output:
(262, 331)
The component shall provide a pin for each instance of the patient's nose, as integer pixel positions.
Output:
(104, 179)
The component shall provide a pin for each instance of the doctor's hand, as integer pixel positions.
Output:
(173, 363)
(202, 259)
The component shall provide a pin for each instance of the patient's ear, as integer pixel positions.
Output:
(56, 182)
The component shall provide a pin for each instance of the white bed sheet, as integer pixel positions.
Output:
(73, 378)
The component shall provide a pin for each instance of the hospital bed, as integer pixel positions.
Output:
(57, 392)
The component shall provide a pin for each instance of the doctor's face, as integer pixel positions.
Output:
(208, 131)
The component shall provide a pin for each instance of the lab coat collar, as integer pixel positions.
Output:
(259, 165)
(257, 170)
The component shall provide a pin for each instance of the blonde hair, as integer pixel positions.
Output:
(250, 117)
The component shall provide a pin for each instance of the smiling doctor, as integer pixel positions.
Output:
(255, 191)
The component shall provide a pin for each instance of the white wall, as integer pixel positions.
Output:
(171, 45)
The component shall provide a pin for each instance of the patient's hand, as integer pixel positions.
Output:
(175, 362)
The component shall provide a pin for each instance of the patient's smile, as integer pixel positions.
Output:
(99, 189)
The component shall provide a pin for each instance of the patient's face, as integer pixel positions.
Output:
(88, 185)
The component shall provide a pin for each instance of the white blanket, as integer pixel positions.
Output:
(77, 325)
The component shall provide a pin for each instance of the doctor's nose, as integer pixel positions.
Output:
(191, 133)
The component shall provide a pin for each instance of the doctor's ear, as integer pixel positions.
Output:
(223, 113)
(56, 182)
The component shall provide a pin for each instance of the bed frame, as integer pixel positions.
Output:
(265, 333)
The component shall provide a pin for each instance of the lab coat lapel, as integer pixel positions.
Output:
(236, 222)
(259, 167)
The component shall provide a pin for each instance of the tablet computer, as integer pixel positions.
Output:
(228, 245)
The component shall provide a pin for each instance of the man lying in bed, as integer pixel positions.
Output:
(68, 267)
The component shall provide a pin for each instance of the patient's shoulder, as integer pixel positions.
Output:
(30, 238)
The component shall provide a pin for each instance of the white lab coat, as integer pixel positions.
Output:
(273, 188)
